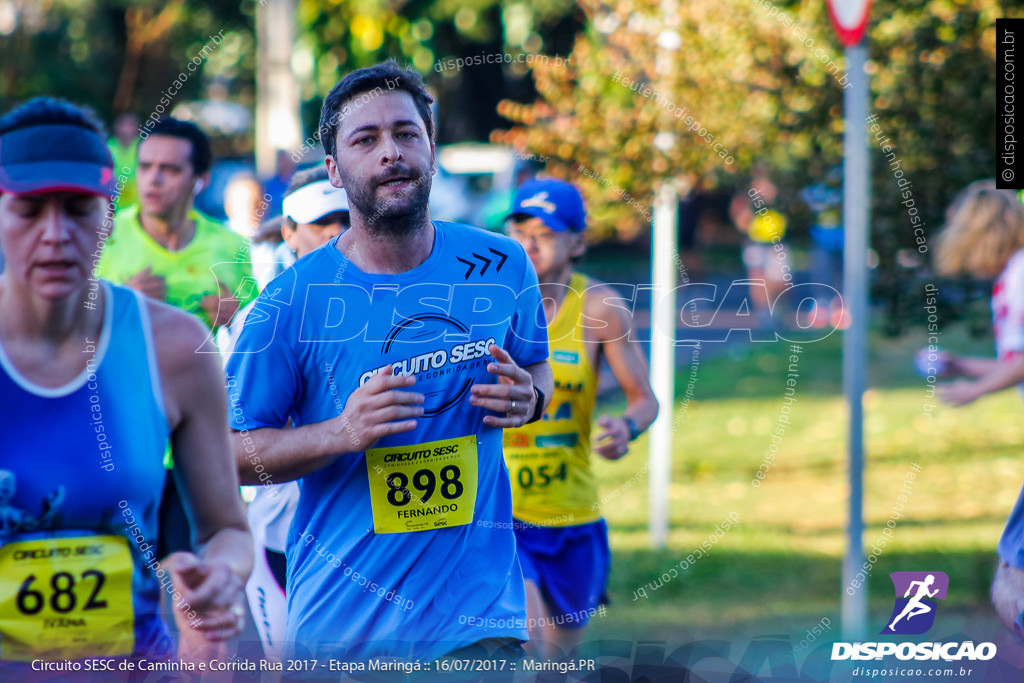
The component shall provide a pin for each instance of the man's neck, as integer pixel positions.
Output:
(377, 252)
(173, 232)
(553, 288)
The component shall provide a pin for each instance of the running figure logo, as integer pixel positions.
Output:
(914, 613)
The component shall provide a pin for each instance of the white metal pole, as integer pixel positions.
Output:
(855, 295)
(663, 358)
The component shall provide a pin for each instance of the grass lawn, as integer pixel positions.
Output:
(778, 571)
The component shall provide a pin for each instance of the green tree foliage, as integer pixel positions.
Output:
(712, 88)
(335, 38)
(933, 89)
(749, 72)
(758, 78)
(121, 55)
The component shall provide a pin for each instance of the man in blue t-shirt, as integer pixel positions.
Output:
(398, 352)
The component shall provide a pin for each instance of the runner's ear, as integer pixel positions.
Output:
(578, 245)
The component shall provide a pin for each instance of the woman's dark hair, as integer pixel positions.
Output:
(50, 110)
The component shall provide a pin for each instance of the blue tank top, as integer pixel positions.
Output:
(81, 477)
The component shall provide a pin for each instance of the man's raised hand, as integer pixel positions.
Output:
(377, 409)
(512, 395)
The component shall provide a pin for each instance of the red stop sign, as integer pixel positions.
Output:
(850, 18)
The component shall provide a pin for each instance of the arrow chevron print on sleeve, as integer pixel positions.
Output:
(485, 261)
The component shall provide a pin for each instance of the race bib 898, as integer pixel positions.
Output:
(423, 486)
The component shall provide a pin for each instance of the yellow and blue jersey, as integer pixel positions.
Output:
(549, 463)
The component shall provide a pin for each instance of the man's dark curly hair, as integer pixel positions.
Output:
(201, 155)
(380, 78)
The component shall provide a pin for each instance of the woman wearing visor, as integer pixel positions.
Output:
(94, 381)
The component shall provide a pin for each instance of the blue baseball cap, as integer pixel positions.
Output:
(556, 202)
(55, 157)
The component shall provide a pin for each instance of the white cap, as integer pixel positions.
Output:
(314, 201)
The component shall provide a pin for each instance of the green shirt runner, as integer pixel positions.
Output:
(215, 254)
(125, 157)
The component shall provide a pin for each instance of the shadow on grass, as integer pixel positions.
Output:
(871, 530)
(724, 589)
(757, 370)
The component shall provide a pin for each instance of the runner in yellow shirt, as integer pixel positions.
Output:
(561, 536)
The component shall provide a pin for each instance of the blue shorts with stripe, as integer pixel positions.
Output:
(569, 565)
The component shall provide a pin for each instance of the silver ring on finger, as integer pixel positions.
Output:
(513, 407)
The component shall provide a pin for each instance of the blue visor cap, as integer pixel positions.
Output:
(55, 158)
(555, 202)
